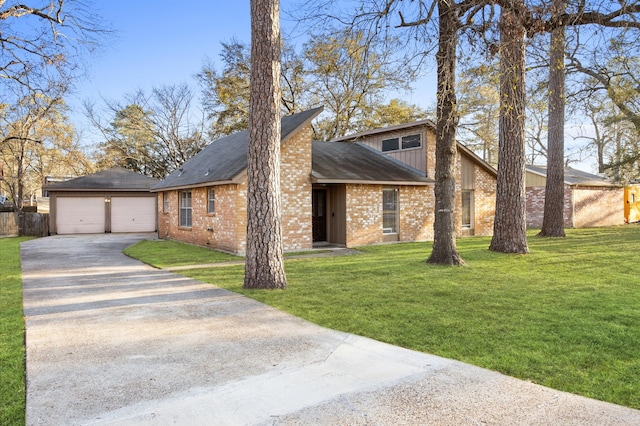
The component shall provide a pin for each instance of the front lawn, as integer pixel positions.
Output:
(167, 253)
(565, 316)
(12, 373)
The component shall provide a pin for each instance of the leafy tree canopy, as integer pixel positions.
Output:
(345, 72)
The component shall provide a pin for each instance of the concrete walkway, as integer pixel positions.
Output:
(111, 341)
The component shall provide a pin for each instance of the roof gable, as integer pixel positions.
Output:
(225, 159)
(476, 158)
(115, 179)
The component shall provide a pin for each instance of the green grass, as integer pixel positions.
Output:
(12, 371)
(305, 253)
(566, 316)
(166, 253)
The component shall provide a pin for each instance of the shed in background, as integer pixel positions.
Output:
(589, 200)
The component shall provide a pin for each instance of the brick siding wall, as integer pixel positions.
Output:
(295, 171)
(583, 206)
(597, 206)
(431, 154)
(226, 229)
(458, 200)
(364, 214)
(484, 202)
(223, 230)
(164, 218)
(416, 204)
(535, 206)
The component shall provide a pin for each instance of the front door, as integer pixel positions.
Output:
(319, 214)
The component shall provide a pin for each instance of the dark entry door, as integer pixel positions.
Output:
(319, 209)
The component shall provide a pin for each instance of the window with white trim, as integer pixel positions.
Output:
(211, 201)
(389, 211)
(165, 202)
(185, 209)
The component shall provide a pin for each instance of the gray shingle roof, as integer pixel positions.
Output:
(574, 177)
(226, 158)
(116, 179)
(350, 162)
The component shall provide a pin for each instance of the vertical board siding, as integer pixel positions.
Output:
(468, 175)
(337, 214)
(415, 157)
(24, 224)
(8, 224)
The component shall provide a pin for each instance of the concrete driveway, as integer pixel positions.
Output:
(111, 341)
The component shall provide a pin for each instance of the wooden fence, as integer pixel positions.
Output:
(13, 224)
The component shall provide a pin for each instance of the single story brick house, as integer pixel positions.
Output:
(342, 192)
(113, 200)
(589, 200)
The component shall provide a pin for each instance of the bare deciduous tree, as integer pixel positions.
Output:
(452, 17)
(153, 134)
(44, 41)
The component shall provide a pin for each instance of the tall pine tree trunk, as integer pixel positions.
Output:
(444, 242)
(509, 229)
(553, 220)
(264, 261)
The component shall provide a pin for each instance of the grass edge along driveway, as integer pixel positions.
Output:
(12, 350)
(566, 316)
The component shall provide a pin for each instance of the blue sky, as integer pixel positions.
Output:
(157, 43)
(164, 42)
(161, 42)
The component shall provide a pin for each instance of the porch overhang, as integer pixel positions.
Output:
(319, 180)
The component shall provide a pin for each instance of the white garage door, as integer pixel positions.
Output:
(133, 214)
(80, 215)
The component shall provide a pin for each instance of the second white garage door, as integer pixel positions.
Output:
(133, 214)
(80, 215)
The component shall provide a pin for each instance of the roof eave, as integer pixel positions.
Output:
(54, 189)
(398, 127)
(315, 179)
(596, 184)
(488, 167)
(240, 177)
(194, 185)
(537, 173)
(304, 123)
